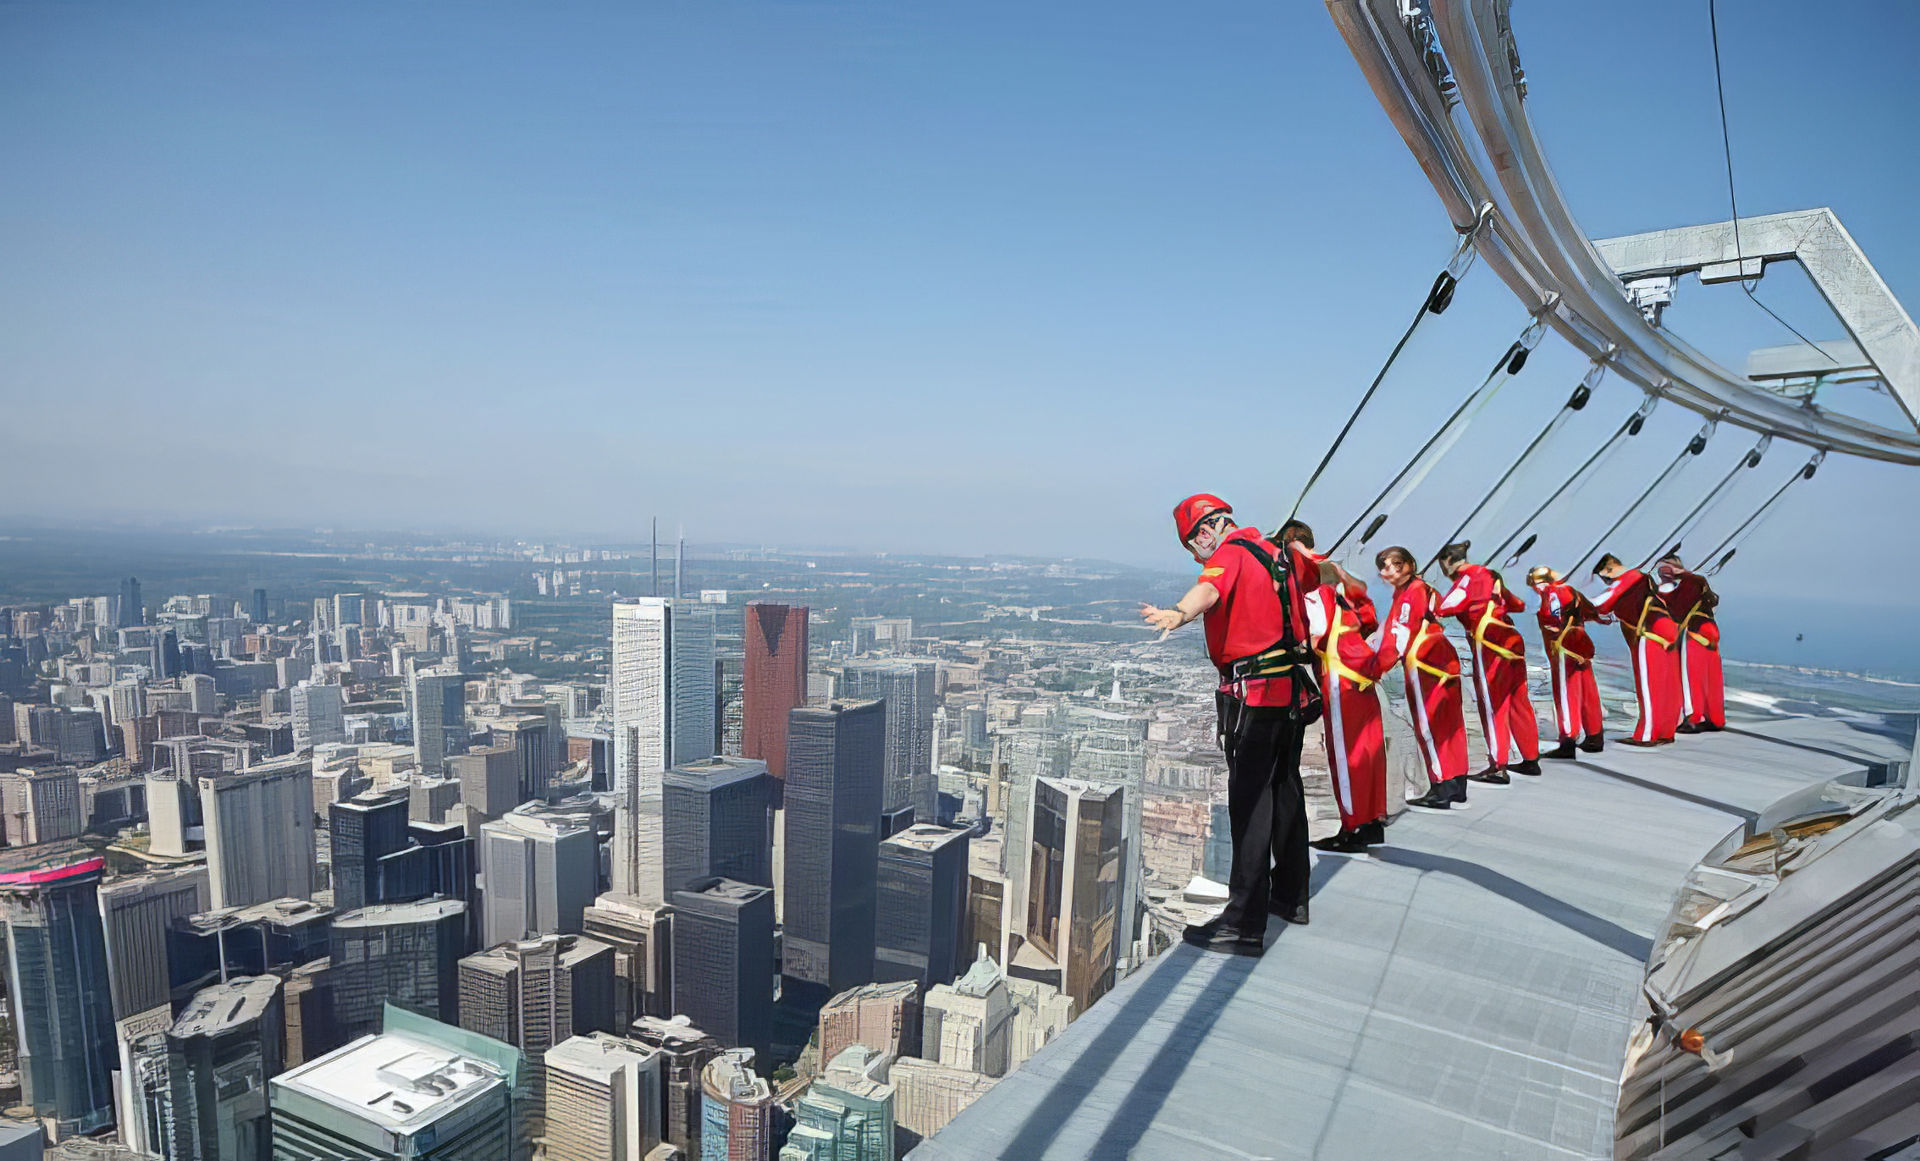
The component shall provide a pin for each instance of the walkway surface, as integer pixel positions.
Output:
(1466, 991)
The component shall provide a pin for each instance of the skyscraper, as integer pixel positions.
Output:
(835, 766)
(603, 1099)
(259, 828)
(136, 913)
(439, 720)
(532, 742)
(402, 953)
(920, 916)
(319, 715)
(661, 687)
(723, 961)
(736, 1109)
(716, 822)
(909, 689)
(775, 683)
(641, 937)
(419, 1094)
(884, 1017)
(489, 779)
(131, 611)
(364, 830)
(204, 1094)
(536, 993)
(1075, 850)
(63, 1015)
(41, 805)
(969, 1023)
(847, 1115)
(684, 1053)
(540, 870)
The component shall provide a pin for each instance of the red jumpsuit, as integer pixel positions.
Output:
(1337, 625)
(1702, 690)
(1432, 672)
(1564, 613)
(1651, 634)
(1483, 604)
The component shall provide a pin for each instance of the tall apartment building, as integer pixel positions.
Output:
(661, 687)
(63, 1018)
(422, 1094)
(736, 1109)
(439, 720)
(364, 830)
(1075, 855)
(920, 917)
(716, 822)
(968, 1024)
(603, 1099)
(536, 993)
(41, 805)
(401, 953)
(927, 1095)
(259, 828)
(847, 1115)
(884, 1017)
(136, 914)
(641, 937)
(775, 682)
(202, 1085)
(540, 870)
(319, 715)
(684, 1053)
(723, 961)
(489, 779)
(910, 691)
(534, 762)
(834, 790)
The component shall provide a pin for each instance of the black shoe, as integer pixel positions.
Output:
(1563, 751)
(1640, 744)
(1688, 728)
(1347, 842)
(1457, 787)
(1297, 916)
(1216, 936)
(1530, 767)
(1593, 744)
(1492, 776)
(1711, 728)
(1438, 797)
(1373, 834)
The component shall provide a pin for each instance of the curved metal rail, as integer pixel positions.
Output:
(1530, 240)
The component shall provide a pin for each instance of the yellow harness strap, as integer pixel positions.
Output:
(1648, 610)
(1330, 656)
(1489, 617)
(1428, 630)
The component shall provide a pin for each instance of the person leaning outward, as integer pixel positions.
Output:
(1251, 596)
(1484, 606)
(1651, 636)
(1703, 695)
(1432, 672)
(1564, 615)
(1340, 617)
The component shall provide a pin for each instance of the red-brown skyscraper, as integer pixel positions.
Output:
(775, 681)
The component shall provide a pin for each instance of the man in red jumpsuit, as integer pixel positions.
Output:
(1484, 607)
(1692, 600)
(1432, 672)
(1651, 636)
(1252, 594)
(1564, 614)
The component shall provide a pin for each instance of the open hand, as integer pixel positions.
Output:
(1165, 620)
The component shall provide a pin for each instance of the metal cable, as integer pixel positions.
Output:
(1694, 447)
(1630, 427)
(1749, 460)
(1752, 522)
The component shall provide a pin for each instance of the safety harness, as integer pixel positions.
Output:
(1288, 657)
(1335, 667)
(1430, 627)
(1653, 607)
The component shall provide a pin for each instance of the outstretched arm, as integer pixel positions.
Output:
(1197, 600)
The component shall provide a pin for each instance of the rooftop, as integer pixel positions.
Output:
(924, 836)
(47, 862)
(1467, 991)
(226, 1006)
(597, 1057)
(425, 911)
(399, 1082)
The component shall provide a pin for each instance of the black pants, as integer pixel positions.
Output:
(1268, 810)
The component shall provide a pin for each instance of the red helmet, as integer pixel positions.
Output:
(1188, 513)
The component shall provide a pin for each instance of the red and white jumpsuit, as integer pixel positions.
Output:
(1564, 613)
(1651, 634)
(1483, 605)
(1337, 625)
(1702, 689)
(1432, 672)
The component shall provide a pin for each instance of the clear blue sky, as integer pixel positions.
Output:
(969, 277)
